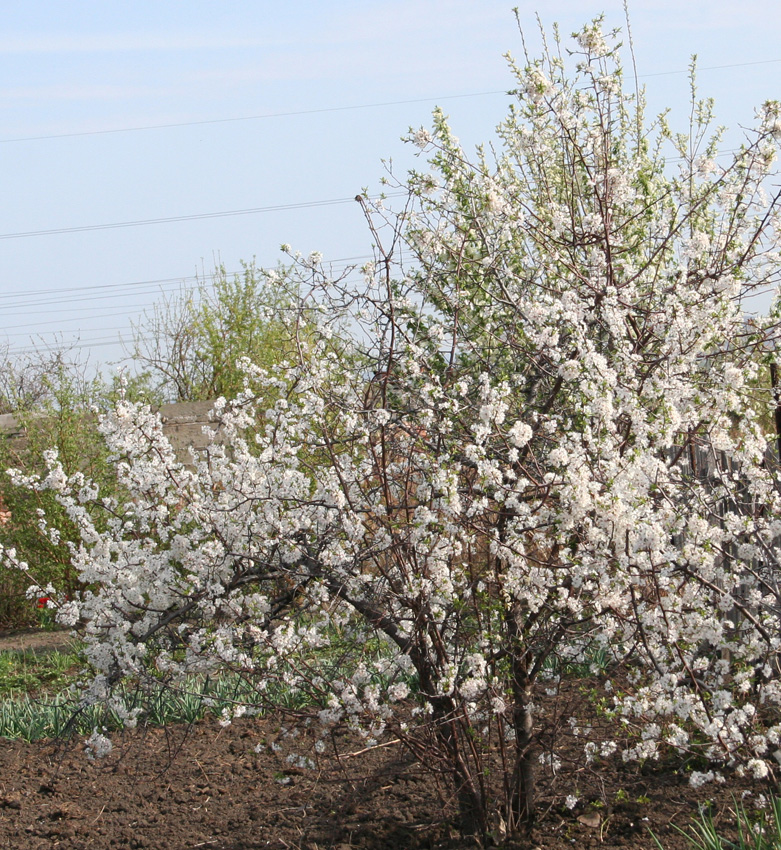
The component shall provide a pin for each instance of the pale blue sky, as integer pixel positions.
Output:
(81, 67)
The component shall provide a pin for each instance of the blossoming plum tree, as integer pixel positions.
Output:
(497, 476)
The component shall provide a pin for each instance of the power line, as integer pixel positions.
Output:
(327, 109)
(65, 298)
(184, 283)
(222, 214)
(712, 68)
(204, 276)
(100, 342)
(64, 330)
(279, 207)
(99, 286)
(138, 311)
(197, 217)
(251, 117)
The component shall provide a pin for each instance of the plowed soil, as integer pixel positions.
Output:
(204, 786)
(244, 788)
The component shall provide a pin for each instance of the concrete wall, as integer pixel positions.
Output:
(183, 424)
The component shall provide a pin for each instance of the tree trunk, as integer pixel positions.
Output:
(472, 806)
(522, 808)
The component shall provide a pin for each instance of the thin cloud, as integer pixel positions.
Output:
(110, 42)
(80, 91)
(444, 41)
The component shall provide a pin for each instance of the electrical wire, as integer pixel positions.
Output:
(711, 68)
(327, 109)
(277, 207)
(202, 277)
(135, 312)
(118, 290)
(49, 297)
(250, 117)
(196, 217)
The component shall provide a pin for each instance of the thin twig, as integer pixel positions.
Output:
(369, 749)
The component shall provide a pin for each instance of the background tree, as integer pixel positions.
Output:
(191, 344)
(33, 379)
(545, 456)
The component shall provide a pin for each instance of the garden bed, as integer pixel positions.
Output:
(234, 788)
(246, 786)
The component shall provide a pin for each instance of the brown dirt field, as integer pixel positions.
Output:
(208, 787)
(176, 788)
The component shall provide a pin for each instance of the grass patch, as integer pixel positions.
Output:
(33, 717)
(40, 694)
(33, 673)
(760, 831)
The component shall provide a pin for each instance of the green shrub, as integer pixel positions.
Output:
(61, 416)
(29, 672)
(191, 343)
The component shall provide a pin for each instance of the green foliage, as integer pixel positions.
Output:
(32, 718)
(34, 714)
(55, 404)
(192, 344)
(28, 672)
(62, 418)
(38, 698)
(188, 350)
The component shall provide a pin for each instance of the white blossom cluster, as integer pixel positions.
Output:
(97, 745)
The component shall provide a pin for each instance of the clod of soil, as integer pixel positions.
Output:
(237, 789)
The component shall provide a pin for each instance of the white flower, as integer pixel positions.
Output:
(550, 759)
(758, 768)
(520, 434)
(498, 705)
(698, 779)
(398, 691)
(559, 456)
(421, 138)
(569, 370)
(537, 85)
(591, 40)
(97, 745)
